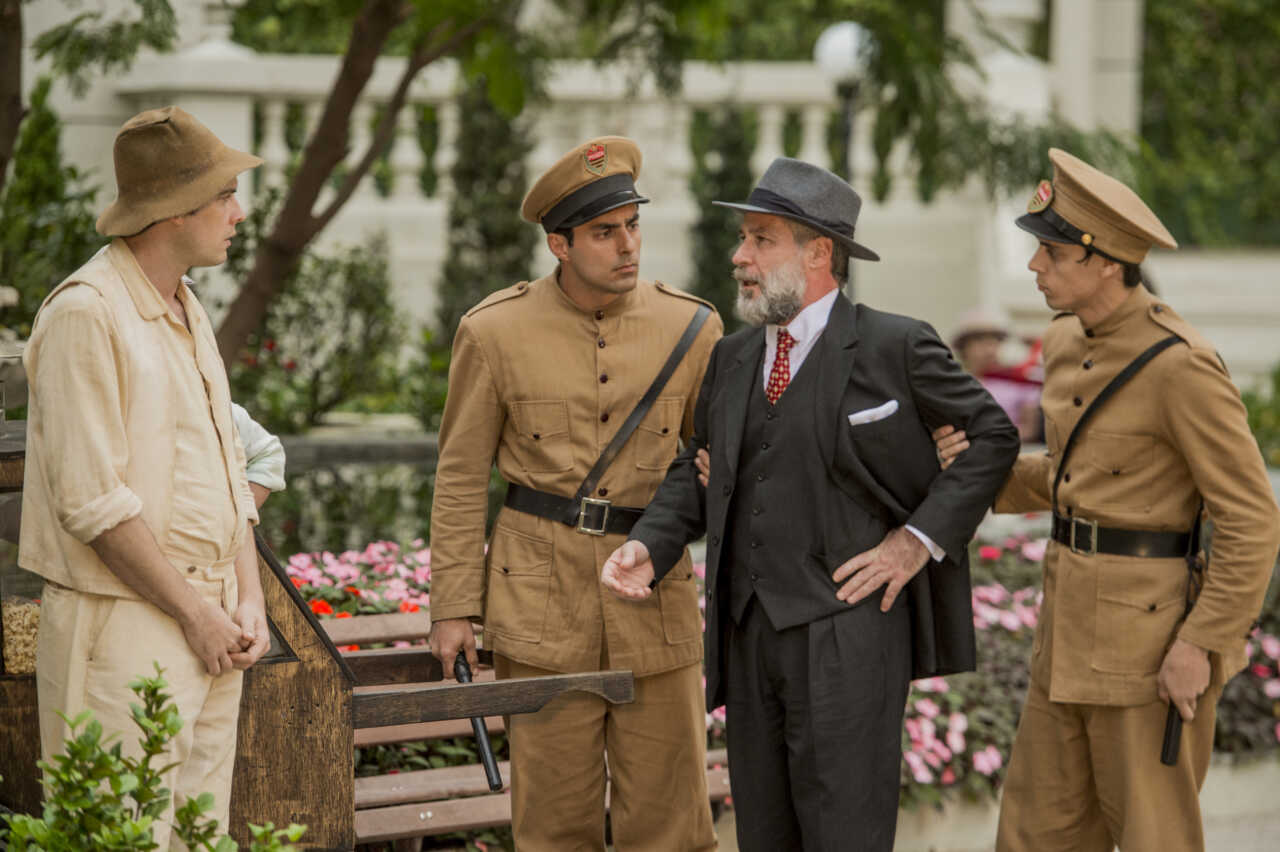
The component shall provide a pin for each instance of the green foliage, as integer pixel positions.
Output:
(98, 798)
(46, 215)
(490, 246)
(331, 336)
(89, 42)
(722, 141)
(1209, 103)
(1263, 406)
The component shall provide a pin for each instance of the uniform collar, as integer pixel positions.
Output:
(1137, 302)
(146, 298)
(615, 308)
(807, 324)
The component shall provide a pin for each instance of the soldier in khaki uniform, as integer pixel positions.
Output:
(1115, 644)
(543, 375)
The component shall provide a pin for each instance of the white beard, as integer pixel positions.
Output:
(780, 296)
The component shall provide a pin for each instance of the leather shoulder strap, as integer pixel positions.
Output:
(646, 402)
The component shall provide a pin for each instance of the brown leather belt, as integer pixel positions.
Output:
(1087, 538)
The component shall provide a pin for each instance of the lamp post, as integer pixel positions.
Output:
(841, 53)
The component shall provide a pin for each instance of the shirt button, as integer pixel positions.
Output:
(1088, 365)
(604, 492)
(599, 315)
(1078, 402)
(759, 477)
(754, 544)
(764, 445)
(604, 377)
(756, 510)
(754, 576)
(604, 418)
(600, 342)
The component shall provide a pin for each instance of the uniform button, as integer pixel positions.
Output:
(754, 576)
(1088, 365)
(599, 315)
(665, 430)
(1078, 402)
(604, 377)
(600, 342)
(754, 544)
(1066, 478)
(604, 492)
(1069, 511)
(506, 570)
(759, 477)
(1115, 473)
(1157, 309)
(191, 569)
(604, 418)
(537, 436)
(756, 510)
(764, 445)
(715, 539)
(1152, 607)
(727, 489)
(1088, 332)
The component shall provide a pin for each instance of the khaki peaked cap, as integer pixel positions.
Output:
(595, 177)
(167, 164)
(1084, 206)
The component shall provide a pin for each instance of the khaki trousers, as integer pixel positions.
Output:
(656, 749)
(1085, 778)
(90, 647)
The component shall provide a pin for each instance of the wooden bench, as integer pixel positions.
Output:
(432, 801)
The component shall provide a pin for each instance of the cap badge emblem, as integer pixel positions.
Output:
(596, 158)
(1086, 239)
(1041, 197)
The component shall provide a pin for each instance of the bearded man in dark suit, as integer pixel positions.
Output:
(825, 502)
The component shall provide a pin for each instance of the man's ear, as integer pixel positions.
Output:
(559, 246)
(818, 253)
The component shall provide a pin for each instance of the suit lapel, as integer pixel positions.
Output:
(835, 351)
(737, 392)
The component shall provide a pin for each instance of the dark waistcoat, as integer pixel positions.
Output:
(776, 534)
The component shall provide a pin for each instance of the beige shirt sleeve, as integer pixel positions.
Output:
(82, 421)
(470, 430)
(1207, 422)
(1027, 488)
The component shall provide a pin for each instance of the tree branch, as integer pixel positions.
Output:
(385, 131)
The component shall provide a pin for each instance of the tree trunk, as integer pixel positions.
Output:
(11, 110)
(295, 227)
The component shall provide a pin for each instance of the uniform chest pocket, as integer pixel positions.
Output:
(1117, 453)
(658, 435)
(543, 429)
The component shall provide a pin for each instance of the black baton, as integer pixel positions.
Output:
(462, 672)
(1172, 737)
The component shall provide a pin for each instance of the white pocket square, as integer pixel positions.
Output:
(871, 415)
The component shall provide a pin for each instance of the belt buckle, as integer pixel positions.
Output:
(582, 516)
(1093, 537)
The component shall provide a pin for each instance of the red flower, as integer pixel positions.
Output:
(298, 582)
(250, 360)
(290, 364)
(269, 345)
(342, 615)
(352, 590)
(1260, 670)
(405, 606)
(348, 647)
(320, 607)
(989, 551)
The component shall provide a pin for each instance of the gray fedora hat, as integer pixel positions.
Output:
(806, 193)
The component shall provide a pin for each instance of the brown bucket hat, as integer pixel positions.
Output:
(167, 164)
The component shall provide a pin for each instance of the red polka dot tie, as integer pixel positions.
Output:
(780, 375)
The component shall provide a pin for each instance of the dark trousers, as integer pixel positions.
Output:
(815, 729)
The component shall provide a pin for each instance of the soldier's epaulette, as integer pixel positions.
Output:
(503, 295)
(1168, 319)
(672, 291)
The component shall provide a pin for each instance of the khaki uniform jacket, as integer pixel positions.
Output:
(539, 386)
(1176, 433)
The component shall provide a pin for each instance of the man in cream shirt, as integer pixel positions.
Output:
(136, 509)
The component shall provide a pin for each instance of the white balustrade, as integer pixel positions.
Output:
(274, 150)
(407, 158)
(769, 144)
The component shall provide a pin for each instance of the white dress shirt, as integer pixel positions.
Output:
(805, 328)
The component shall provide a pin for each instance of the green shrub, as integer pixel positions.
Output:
(332, 335)
(96, 797)
(1264, 417)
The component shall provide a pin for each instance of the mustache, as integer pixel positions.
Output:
(743, 277)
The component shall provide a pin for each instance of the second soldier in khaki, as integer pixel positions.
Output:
(1115, 644)
(543, 375)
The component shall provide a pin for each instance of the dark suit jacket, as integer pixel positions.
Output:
(865, 358)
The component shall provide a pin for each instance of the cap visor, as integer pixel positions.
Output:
(855, 248)
(1038, 226)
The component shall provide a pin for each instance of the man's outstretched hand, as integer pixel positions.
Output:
(891, 563)
(628, 572)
